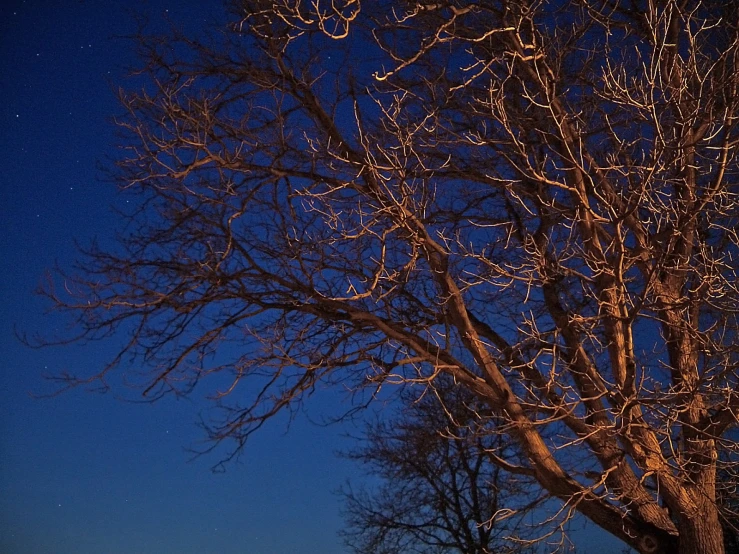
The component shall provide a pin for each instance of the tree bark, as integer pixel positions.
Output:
(700, 530)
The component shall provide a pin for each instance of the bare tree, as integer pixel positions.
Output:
(537, 198)
(727, 497)
(438, 489)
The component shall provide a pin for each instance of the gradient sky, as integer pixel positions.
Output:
(85, 473)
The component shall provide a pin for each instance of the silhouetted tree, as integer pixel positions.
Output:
(439, 489)
(535, 198)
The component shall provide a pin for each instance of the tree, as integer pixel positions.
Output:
(537, 198)
(728, 502)
(439, 490)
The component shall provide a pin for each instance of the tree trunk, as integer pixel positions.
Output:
(700, 530)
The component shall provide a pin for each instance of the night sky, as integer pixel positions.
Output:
(85, 473)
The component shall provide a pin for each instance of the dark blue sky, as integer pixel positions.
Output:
(88, 474)
(83, 473)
